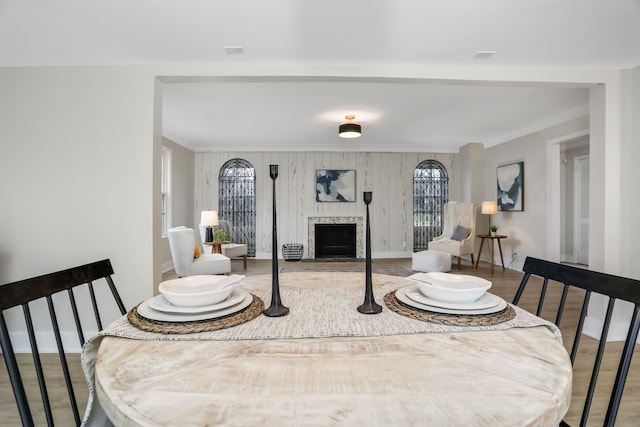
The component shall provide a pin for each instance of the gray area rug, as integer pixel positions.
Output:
(390, 270)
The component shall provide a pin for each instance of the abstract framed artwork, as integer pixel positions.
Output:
(510, 185)
(335, 185)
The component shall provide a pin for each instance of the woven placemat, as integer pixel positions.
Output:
(252, 311)
(448, 319)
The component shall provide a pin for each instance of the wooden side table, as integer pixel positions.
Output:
(497, 237)
(216, 246)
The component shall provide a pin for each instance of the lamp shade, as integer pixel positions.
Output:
(209, 218)
(490, 207)
(349, 129)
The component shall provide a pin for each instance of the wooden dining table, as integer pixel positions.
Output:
(326, 364)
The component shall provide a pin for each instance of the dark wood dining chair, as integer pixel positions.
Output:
(614, 287)
(46, 287)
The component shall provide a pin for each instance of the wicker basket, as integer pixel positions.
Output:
(292, 251)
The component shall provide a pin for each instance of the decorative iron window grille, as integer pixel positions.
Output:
(237, 201)
(430, 193)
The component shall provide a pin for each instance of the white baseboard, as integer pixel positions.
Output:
(379, 255)
(388, 255)
(570, 258)
(166, 266)
(47, 342)
(515, 265)
(617, 330)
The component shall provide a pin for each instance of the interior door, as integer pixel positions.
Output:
(581, 209)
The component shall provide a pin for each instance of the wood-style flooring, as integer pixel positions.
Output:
(504, 285)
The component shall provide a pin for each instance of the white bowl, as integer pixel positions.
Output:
(201, 290)
(452, 287)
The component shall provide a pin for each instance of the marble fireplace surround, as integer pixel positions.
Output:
(335, 219)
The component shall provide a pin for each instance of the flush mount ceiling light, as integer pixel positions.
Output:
(349, 129)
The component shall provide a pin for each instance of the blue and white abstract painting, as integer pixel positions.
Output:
(511, 187)
(335, 185)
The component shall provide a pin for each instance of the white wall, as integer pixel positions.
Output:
(471, 174)
(388, 175)
(614, 233)
(76, 173)
(630, 175)
(526, 229)
(181, 194)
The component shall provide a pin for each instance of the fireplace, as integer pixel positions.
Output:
(312, 221)
(335, 240)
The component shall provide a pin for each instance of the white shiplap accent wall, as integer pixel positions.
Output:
(388, 175)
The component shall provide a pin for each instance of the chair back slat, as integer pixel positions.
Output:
(76, 316)
(614, 287)
(94, 303)
(33, 342)
(45, 287)
(543, 294)
(521, 287)
(580, 327)
(563, 301)
(115, 293)
(14, 374)
(63, 359)
(623, 369)
(597, 362)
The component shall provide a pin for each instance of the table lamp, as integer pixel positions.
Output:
(208, 219)
(489, 208)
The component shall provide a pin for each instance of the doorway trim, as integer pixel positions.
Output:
(555, 192)
(579, 233)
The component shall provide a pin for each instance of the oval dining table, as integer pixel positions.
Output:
(517, 376)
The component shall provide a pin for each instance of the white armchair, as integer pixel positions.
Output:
(459, 231)
(182, 242)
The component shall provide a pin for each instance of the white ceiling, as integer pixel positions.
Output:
(395, 117)
(303, 113)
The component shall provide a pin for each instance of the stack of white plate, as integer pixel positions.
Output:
(196, 298)
(450, 294)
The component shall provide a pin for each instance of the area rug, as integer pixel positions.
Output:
(390, 270)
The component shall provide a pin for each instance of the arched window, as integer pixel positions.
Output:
(430, 193)
(237, 201)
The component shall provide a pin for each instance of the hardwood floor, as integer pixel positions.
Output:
(55, 386)
(504, 285)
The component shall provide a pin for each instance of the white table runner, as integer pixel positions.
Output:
(319, 313)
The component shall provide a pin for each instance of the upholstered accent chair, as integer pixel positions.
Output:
(183, 243)
(458, 232)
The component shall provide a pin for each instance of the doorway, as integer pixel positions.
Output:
(575, 172)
